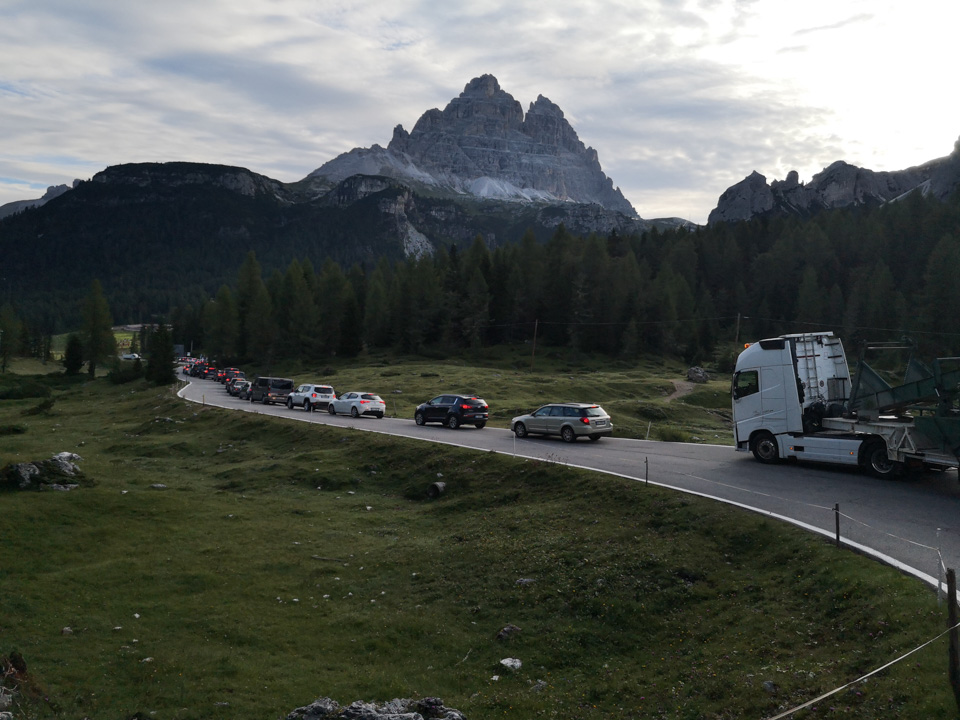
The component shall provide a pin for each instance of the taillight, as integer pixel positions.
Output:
(364, 402)
(585, 421)
(313, 394)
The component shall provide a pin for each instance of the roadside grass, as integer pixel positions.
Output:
(284, 561)
(634, 394)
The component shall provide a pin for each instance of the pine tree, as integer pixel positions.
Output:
(97, 334)
(159, 368)
(73, 355)
(10, 331)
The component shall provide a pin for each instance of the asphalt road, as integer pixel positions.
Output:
(902, 522)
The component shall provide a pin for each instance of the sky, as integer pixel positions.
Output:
(680, 99)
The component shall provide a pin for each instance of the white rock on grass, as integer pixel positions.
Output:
(511, 663)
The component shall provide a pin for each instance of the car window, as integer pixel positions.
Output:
(542, 412)
(570, 412)
(325, 389)
(303, 388)
(595, 411)
(368, 396)
(282, 384)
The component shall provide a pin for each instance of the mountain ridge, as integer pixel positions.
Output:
(840, 184)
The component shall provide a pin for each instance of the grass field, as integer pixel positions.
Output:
(285, 561)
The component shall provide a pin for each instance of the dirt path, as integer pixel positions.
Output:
(681, 388)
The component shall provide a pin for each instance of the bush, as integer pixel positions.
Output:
(671, 434)
(13, 429)
(123, 373)
(25, 388)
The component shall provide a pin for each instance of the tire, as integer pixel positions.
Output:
(764, 448)
(453, 422)
(307, 407)
(480, 425)
(520, 430)
(354, 412)
(289, 404)
(419, 419)
(568, 434)
(331, 409)
(264, 400)
(379, 416)
(594, 438)
(877, 461)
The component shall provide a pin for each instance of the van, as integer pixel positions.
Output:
(270, 390)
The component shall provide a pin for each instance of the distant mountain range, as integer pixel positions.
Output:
(839, 185)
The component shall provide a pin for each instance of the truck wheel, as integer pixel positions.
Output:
(877, 462)
(764, 448)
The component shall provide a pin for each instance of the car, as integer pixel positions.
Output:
(568, 420)
(310, 396)
(231, 373)
(453, 410)
(130, 356)
(270, 390)
(232, 382)
(241, 389)
(357, 403)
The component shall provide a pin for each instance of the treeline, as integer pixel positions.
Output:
(867, 274)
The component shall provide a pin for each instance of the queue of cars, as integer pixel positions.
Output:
(567, 420)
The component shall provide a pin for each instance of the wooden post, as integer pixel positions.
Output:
(836, 513)
(954, 646)
(646, 470)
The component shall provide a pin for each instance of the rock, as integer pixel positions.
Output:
(698, 375)
(44, 474)
(429, 708)
(525, 581)
(511, 663)
(158, 486)
(507, 632)
(67, 631)
(770, 687)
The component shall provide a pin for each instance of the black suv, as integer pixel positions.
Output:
(453, 411)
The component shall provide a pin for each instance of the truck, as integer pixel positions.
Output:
(794, 397)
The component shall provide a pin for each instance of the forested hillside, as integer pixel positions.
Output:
(866, 274)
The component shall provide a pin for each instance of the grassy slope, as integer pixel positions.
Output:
(632, 393)
(285, 561)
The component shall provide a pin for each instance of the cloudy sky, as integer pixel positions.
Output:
(680, 99)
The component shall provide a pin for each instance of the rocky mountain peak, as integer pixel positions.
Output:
(482, 144)
(840, 184)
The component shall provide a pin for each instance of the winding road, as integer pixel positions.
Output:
(908, 523)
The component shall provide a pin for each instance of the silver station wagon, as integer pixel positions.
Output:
(568, 420)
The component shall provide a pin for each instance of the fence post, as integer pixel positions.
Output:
(954, 666)
(646, 471)
(836, 514)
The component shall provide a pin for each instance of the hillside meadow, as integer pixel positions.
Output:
(283, 561)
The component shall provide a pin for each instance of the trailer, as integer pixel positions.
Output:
(794, 397)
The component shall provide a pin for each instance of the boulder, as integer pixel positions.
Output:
(698, 375)
(60, 472)
(325, 708)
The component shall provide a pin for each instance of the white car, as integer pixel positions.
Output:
(310, 396)
(357, 404)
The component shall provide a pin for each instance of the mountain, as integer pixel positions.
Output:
(483, 146)
(838, 185)
(16, 206)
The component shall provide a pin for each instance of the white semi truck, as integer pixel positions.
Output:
(793, 397)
